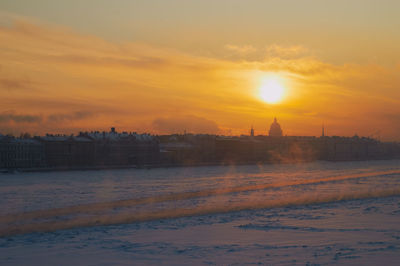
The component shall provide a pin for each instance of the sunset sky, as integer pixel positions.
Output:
(166, 66)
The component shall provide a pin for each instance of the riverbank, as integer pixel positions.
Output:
(170, 165)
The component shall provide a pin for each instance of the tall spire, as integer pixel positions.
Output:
(323, 131)
(252, 131)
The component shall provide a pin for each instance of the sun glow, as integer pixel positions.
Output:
(272, 90)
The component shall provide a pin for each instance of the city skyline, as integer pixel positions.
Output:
(251, 132)
(199, 132)
(201, 66)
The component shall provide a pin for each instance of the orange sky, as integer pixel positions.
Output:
(57, 79)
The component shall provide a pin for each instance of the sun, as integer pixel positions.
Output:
(272, 90)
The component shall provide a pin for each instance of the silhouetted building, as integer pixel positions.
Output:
(20, 153)
(275, 129)
(243, 149)
(68, 151)
(187, 149)
(355, 148)
(113, 148)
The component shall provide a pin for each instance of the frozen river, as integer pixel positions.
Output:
(311, 213)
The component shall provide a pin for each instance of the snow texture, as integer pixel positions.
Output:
(318, 213)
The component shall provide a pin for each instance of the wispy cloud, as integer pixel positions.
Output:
(19, 118)
(143, 87)
(15, 84)
(79, 115)
(241, 49)
(286, 52)
(190, 124)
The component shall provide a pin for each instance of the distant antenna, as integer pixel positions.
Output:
(252, 131)
(323, 131)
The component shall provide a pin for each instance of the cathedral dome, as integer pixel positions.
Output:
(275, 129)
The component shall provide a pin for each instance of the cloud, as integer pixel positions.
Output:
(12, 83)
(138, 62)
(19, 118)
(286, 52)
(190, 123)
(241, 49)
(79, 115)
(273, 51)
(135, 84)
(53, 118)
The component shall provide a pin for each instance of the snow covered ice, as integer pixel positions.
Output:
(324, 213)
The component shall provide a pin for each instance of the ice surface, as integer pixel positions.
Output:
(314, 213)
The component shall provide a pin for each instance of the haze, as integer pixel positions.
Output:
(169, 66)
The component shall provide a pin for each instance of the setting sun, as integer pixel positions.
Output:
(271, 90)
